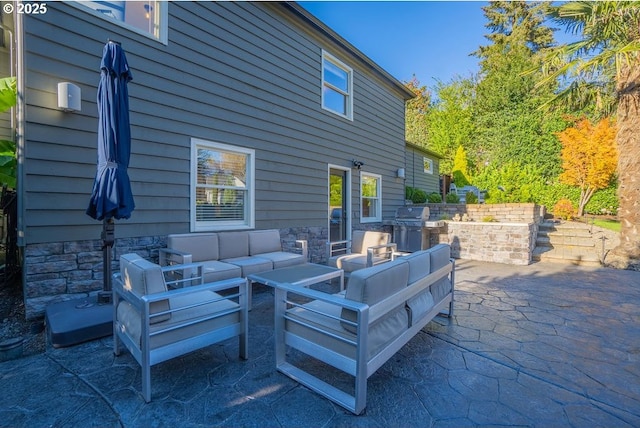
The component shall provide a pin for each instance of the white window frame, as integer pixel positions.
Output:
(378, 198)
(162, 15)
(212, 226)
(348, 94)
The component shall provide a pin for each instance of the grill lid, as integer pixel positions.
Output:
(420, 214)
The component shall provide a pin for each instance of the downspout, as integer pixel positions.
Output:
(20, 125)
(16, 61)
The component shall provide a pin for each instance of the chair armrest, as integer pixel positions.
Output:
(389, 249)
(211, 286)
(304, 247)
(168, 256)
(180, 275)
(331, 250)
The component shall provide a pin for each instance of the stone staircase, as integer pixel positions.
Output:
(571, 243)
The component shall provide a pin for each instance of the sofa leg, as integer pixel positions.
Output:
(146, 383)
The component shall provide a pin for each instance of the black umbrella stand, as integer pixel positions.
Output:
(80, 320)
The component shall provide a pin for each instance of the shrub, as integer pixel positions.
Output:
(564, 209)
(452, 198)
(434, 198)
(471, 198)
(408, 192)
(419, 196)
(489, 219)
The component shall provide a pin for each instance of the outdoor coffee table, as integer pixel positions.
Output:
(302, 275)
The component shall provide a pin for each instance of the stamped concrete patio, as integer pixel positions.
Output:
(544, 345)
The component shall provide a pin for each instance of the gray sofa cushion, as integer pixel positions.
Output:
(233, 244)
(216, 271)
(202, 246)
(361, 240)
(194, 311)
(419, 268)
(374, 284)
(380, 334)
(264, 241)
(251, 265)
(144, 278)
(282, 259)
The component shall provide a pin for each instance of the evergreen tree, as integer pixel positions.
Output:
(510, 127)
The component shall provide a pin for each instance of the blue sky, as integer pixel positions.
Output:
(431, 39)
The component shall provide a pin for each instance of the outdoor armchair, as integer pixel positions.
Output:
(365, 249)
(156, 322)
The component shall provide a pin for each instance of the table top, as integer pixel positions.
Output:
(303, 274)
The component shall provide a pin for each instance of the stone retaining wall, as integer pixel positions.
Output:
(505, 213)
(510, 243)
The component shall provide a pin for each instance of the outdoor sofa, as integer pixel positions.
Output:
(357, 331)
(227, 255)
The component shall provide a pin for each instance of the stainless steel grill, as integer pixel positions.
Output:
(411, 228)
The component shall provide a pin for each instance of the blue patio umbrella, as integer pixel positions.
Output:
(111, 196)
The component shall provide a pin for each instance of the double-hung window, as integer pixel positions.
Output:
(222, 186)
(371, 197)
(337, 86)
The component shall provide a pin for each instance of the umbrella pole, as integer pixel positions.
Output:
(108, 238)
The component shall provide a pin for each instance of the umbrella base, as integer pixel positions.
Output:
(79, 320)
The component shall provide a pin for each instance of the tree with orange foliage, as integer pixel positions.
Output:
(589, 157)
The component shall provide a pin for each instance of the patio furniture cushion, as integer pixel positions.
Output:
(374, 284)
(282, 259)
(264, 241)
(192, 319)
(419, 268)
(380, 334)
(233, 245)
(250, 265)
(144, 278)
(202, 246)
(363, 239)
(215, 271)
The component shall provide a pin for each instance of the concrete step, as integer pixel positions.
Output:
(566, 255)
(566, 242)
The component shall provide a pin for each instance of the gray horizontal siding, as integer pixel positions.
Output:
(235, 73)
(416, 177)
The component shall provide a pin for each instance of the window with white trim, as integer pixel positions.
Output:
(427, 165)
(144, 17)
(370, 197)
(222, 186)
(337, 86)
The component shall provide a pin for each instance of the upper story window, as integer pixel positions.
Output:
(428, 165)
(371, 197)
(222, 186)
(145, 17)
(337, 86)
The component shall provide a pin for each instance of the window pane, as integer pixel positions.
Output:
(336, 76)
(335, 101)
(143, 15)
(221, 168)
(220, 204)
(369, 187)
(369, 207)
